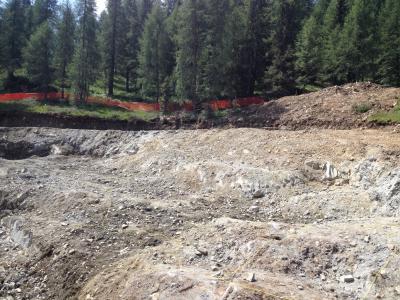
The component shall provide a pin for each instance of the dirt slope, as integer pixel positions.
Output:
(203, 214)
(333, 107)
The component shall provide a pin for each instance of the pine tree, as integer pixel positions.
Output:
(128, 55)
(308, 53)
(102, 40)
(212, 58)
(389, 58)
(12, 36)
(253, 62)
(286, 18)
(235, 42)
(156, 59)
(309, 47)
(190, 42)
(38, 57)
(331, 30)
(113, 34)
(86, 56)
(1, 36)
(358, 42)
(170, 6)
(43, 11)
(144, 7)
(64, 45)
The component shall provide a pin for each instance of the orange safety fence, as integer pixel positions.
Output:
(137, 106)
(249, 101)
(220, 104)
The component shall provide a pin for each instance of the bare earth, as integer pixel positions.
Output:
(204, 214)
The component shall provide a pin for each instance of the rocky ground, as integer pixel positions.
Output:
(203, 214)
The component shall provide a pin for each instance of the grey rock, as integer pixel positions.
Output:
(19, 235)
(258, 194)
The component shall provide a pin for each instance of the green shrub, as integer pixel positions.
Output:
(362, 108)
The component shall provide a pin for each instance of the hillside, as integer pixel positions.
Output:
(341, 107)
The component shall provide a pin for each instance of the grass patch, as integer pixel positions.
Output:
(82, 110)
(221, 113)
(386, 117)
(362, 108)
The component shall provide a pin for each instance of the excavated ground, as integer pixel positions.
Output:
(203, 214)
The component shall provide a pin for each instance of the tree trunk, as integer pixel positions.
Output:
(127, 78)
(112, 49)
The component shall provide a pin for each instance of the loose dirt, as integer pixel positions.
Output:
(200, 214)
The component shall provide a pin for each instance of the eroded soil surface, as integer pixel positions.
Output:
(202, 214)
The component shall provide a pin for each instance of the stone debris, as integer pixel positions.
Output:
(170, 215)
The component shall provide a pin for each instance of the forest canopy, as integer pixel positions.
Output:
(197, 49)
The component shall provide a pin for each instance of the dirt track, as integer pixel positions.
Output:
(199, 214)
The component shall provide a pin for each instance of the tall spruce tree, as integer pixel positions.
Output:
(144, 9)
(286, 18)
(254, 49)
(170, 5)
(389, 57)
(38, 56)
(1, 36)
(156, 59)
(12, 36)
(308, 53)
(102, 40)
(309, 47)
(358, 44)
(84, 66)
(128, 55)
(212, 58)
(64, 45)
(331, 31)
(235, 41)
(43, 11)
(190, 43)
(113, 40)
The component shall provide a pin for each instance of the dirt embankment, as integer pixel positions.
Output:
(340, 107)
(202, 214)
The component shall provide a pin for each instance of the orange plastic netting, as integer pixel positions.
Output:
(137, 106)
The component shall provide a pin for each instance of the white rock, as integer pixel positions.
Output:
(251, 277)
(347, 278)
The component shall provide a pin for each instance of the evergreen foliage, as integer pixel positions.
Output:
(85, 61)
(200, 49)
(156, 58)
(12, 36)
(65, 45)
(38, 56)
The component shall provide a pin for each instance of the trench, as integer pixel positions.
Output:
(22, 150)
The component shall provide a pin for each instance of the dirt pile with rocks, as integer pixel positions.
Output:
(338, 107)
(203, 214)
